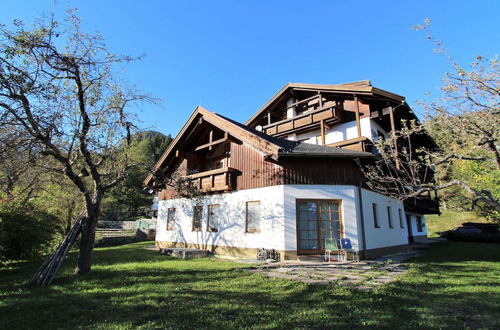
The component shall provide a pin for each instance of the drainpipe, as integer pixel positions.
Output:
(362, 218)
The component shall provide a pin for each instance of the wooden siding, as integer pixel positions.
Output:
(256, 172)
(332, 171)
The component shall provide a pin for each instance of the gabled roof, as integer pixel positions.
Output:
(262, 142)
(272, 146)
(363, 87)
(295, 148)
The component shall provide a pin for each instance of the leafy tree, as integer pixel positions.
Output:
(19, 175)
(26, 230)
(127, 197)
(58, 87)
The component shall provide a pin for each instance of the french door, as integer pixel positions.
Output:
(317, 220)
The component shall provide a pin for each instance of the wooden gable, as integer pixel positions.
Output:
(204, 142)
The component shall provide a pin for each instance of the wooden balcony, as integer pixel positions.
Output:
(423, 205)
(221, 179)
(329, 114)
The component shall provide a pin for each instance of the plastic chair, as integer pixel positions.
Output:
(346, 248)
(331, 246)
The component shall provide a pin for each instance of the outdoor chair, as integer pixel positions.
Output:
(346, 249)
(331, 246)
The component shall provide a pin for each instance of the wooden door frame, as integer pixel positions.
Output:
(297, 224)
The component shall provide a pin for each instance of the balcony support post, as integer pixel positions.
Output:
(210, 138)
(358, 121)
(322, 125)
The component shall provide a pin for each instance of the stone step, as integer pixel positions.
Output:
(185, 253)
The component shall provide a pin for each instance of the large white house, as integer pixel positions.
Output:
(287, 179)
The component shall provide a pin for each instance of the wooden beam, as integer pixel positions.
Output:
(322, 125)
(348, 142)
(393, 133)
(209, 145)
(269, 118)
(379, 113)
(210, 139)
(358, 121)
(320, 100)
(302, 101)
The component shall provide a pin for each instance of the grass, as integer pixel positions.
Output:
(449, 220)
(453, 285)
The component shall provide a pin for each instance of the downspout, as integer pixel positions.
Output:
(362, 218)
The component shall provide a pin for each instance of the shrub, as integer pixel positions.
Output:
(471, 237)
(26, 231)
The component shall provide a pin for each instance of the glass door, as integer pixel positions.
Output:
(317, 220)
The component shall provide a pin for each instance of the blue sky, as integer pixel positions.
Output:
(232, 56)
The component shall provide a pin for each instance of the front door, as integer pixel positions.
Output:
(317, 220)
(408, 225)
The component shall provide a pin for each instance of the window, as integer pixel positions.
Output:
(401, 218)
(318, 223)
(170, 218)
(213, 219)
(375, 215)
(197, 211)
(389, 217)
(253, 217)
(420, 224)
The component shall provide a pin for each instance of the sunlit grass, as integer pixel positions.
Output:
(449, 220)
(454, 285)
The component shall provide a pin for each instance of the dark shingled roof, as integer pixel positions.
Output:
(314, 150)
(298, 149)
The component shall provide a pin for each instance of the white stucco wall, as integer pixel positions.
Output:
(231, 231)
(279, 219)
(383, 236)
(344, 132)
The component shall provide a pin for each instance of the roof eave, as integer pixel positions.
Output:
(324, 155)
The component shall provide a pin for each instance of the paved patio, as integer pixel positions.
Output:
(362, 275)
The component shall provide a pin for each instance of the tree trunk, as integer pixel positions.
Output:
(86, 246)
(88, 235)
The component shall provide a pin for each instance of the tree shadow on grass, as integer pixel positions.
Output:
(131, 287)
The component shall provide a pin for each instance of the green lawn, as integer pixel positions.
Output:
(449, 220)
(454, 285)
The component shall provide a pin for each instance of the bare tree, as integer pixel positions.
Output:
(415, 175)
(58, 87)
(465, 124)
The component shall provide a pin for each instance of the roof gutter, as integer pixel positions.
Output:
(325, 155)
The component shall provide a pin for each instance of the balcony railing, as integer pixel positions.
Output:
(221, 179)
(305, 120)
